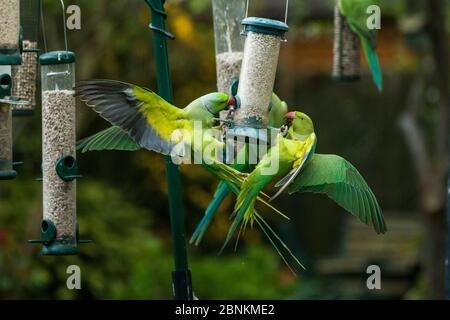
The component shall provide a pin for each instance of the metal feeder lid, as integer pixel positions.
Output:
(57, 57)
(265, 26)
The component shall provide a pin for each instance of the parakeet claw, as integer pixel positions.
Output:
(243, 174)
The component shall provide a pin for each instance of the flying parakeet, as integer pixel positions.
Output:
(276, 120)
(305, 171)
(355, 12)
(293, 149)
(140, 118)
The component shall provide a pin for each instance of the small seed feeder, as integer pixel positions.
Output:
(9, 56)
(9, 32)
(59, 165)
(228, 41)
(346, 50)
(25, 75)
(256, 82)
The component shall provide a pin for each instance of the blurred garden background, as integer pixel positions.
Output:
(396, 139)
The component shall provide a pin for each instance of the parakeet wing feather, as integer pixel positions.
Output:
(112, 138)
(303, 156)
(146, 117)
(341, 181)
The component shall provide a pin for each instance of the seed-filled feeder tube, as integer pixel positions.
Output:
(346, 50)
(59, 166)
(229, 42)
(9, 26)
(259, 67)
(6, 155)
(25, 75)
(256, 82)
(9, 56)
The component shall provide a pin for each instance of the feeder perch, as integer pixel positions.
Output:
(67, 168)
(346, 50)
(25, 75)
(229, 43)
(59, 166)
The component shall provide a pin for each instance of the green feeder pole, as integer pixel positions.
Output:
(181, 277)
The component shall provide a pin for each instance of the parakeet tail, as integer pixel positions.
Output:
(372, 60)
(220, 195)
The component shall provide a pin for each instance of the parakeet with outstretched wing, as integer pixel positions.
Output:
(141, 118)
(303, 171)
(355, 12)
(154, 124)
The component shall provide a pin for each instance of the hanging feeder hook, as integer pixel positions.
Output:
(64, 22)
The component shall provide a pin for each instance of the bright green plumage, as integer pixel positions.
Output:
(355, 12)
(341, 181)
(144, 119)
(286, 158)
(276, 120)
(306, 172)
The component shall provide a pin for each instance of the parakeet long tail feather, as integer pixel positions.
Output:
(199, 232)
(372, 60)
(263, 224)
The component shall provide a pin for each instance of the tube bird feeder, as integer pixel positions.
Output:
(9, 56)
(25, 75)
(256, 83)
(229, 42)
(59, 165)
(346, 50)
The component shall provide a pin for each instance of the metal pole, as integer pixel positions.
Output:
(447, 261)
(181, 276)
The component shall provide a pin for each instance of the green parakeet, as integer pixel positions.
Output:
(292, 151)
(355, 12)
(153, 123)
(144, 120)
(304, 171)
(276, 120)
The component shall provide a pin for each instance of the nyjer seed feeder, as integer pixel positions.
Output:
(25, 75)
(9, 57)
(229, 43)
(259, 66)
(59, 165)
(9, 32)
(346, 50)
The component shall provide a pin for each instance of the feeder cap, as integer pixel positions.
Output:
(57, 57)
(265, 26)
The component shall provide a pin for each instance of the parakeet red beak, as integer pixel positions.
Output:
(231, 101)
(290, 115)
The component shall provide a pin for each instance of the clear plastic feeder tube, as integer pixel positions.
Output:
(25, 75)
(229, 42)
(58, 149)
(6, 155)
(259, 67)
(346, 50)
(9, 25)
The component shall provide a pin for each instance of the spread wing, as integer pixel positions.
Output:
(113, 138)
(341, 181)
(147, 118)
